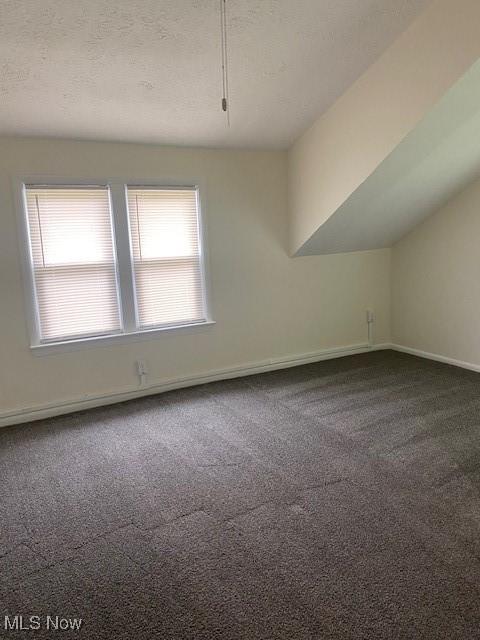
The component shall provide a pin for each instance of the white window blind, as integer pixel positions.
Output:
(73, 260)
(166, 256)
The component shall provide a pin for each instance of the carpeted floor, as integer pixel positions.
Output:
(334, 500)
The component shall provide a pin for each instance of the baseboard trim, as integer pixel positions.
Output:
(88, 402)
(437, 357)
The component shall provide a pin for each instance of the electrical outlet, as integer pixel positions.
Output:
(370, 326)
(142, 371)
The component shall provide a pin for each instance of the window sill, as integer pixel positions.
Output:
(49, 348)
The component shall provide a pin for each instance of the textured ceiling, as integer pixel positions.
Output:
(149, 70)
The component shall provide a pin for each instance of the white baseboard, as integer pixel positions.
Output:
(87, 402)
(435, 356)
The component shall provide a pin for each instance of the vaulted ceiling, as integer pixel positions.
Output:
(149, 70)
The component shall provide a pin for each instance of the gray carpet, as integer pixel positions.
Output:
(334, 500)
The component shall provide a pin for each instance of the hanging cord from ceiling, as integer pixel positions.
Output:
(223, 29)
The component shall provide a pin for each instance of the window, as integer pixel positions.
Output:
(113, 260)
(166, 255)
(73, 261)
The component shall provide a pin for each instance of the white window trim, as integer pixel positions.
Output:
(120, 223)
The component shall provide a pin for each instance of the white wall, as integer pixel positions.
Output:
(266, 304)
(436, 282)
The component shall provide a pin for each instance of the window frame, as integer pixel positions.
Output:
(123, 261)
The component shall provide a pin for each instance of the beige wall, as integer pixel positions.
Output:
(436, 282)
(266, 304)
(349, 141)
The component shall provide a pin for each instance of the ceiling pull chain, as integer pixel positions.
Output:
(223, 31)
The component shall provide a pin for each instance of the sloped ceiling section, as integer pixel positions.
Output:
(435, 161)
(397, 144)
